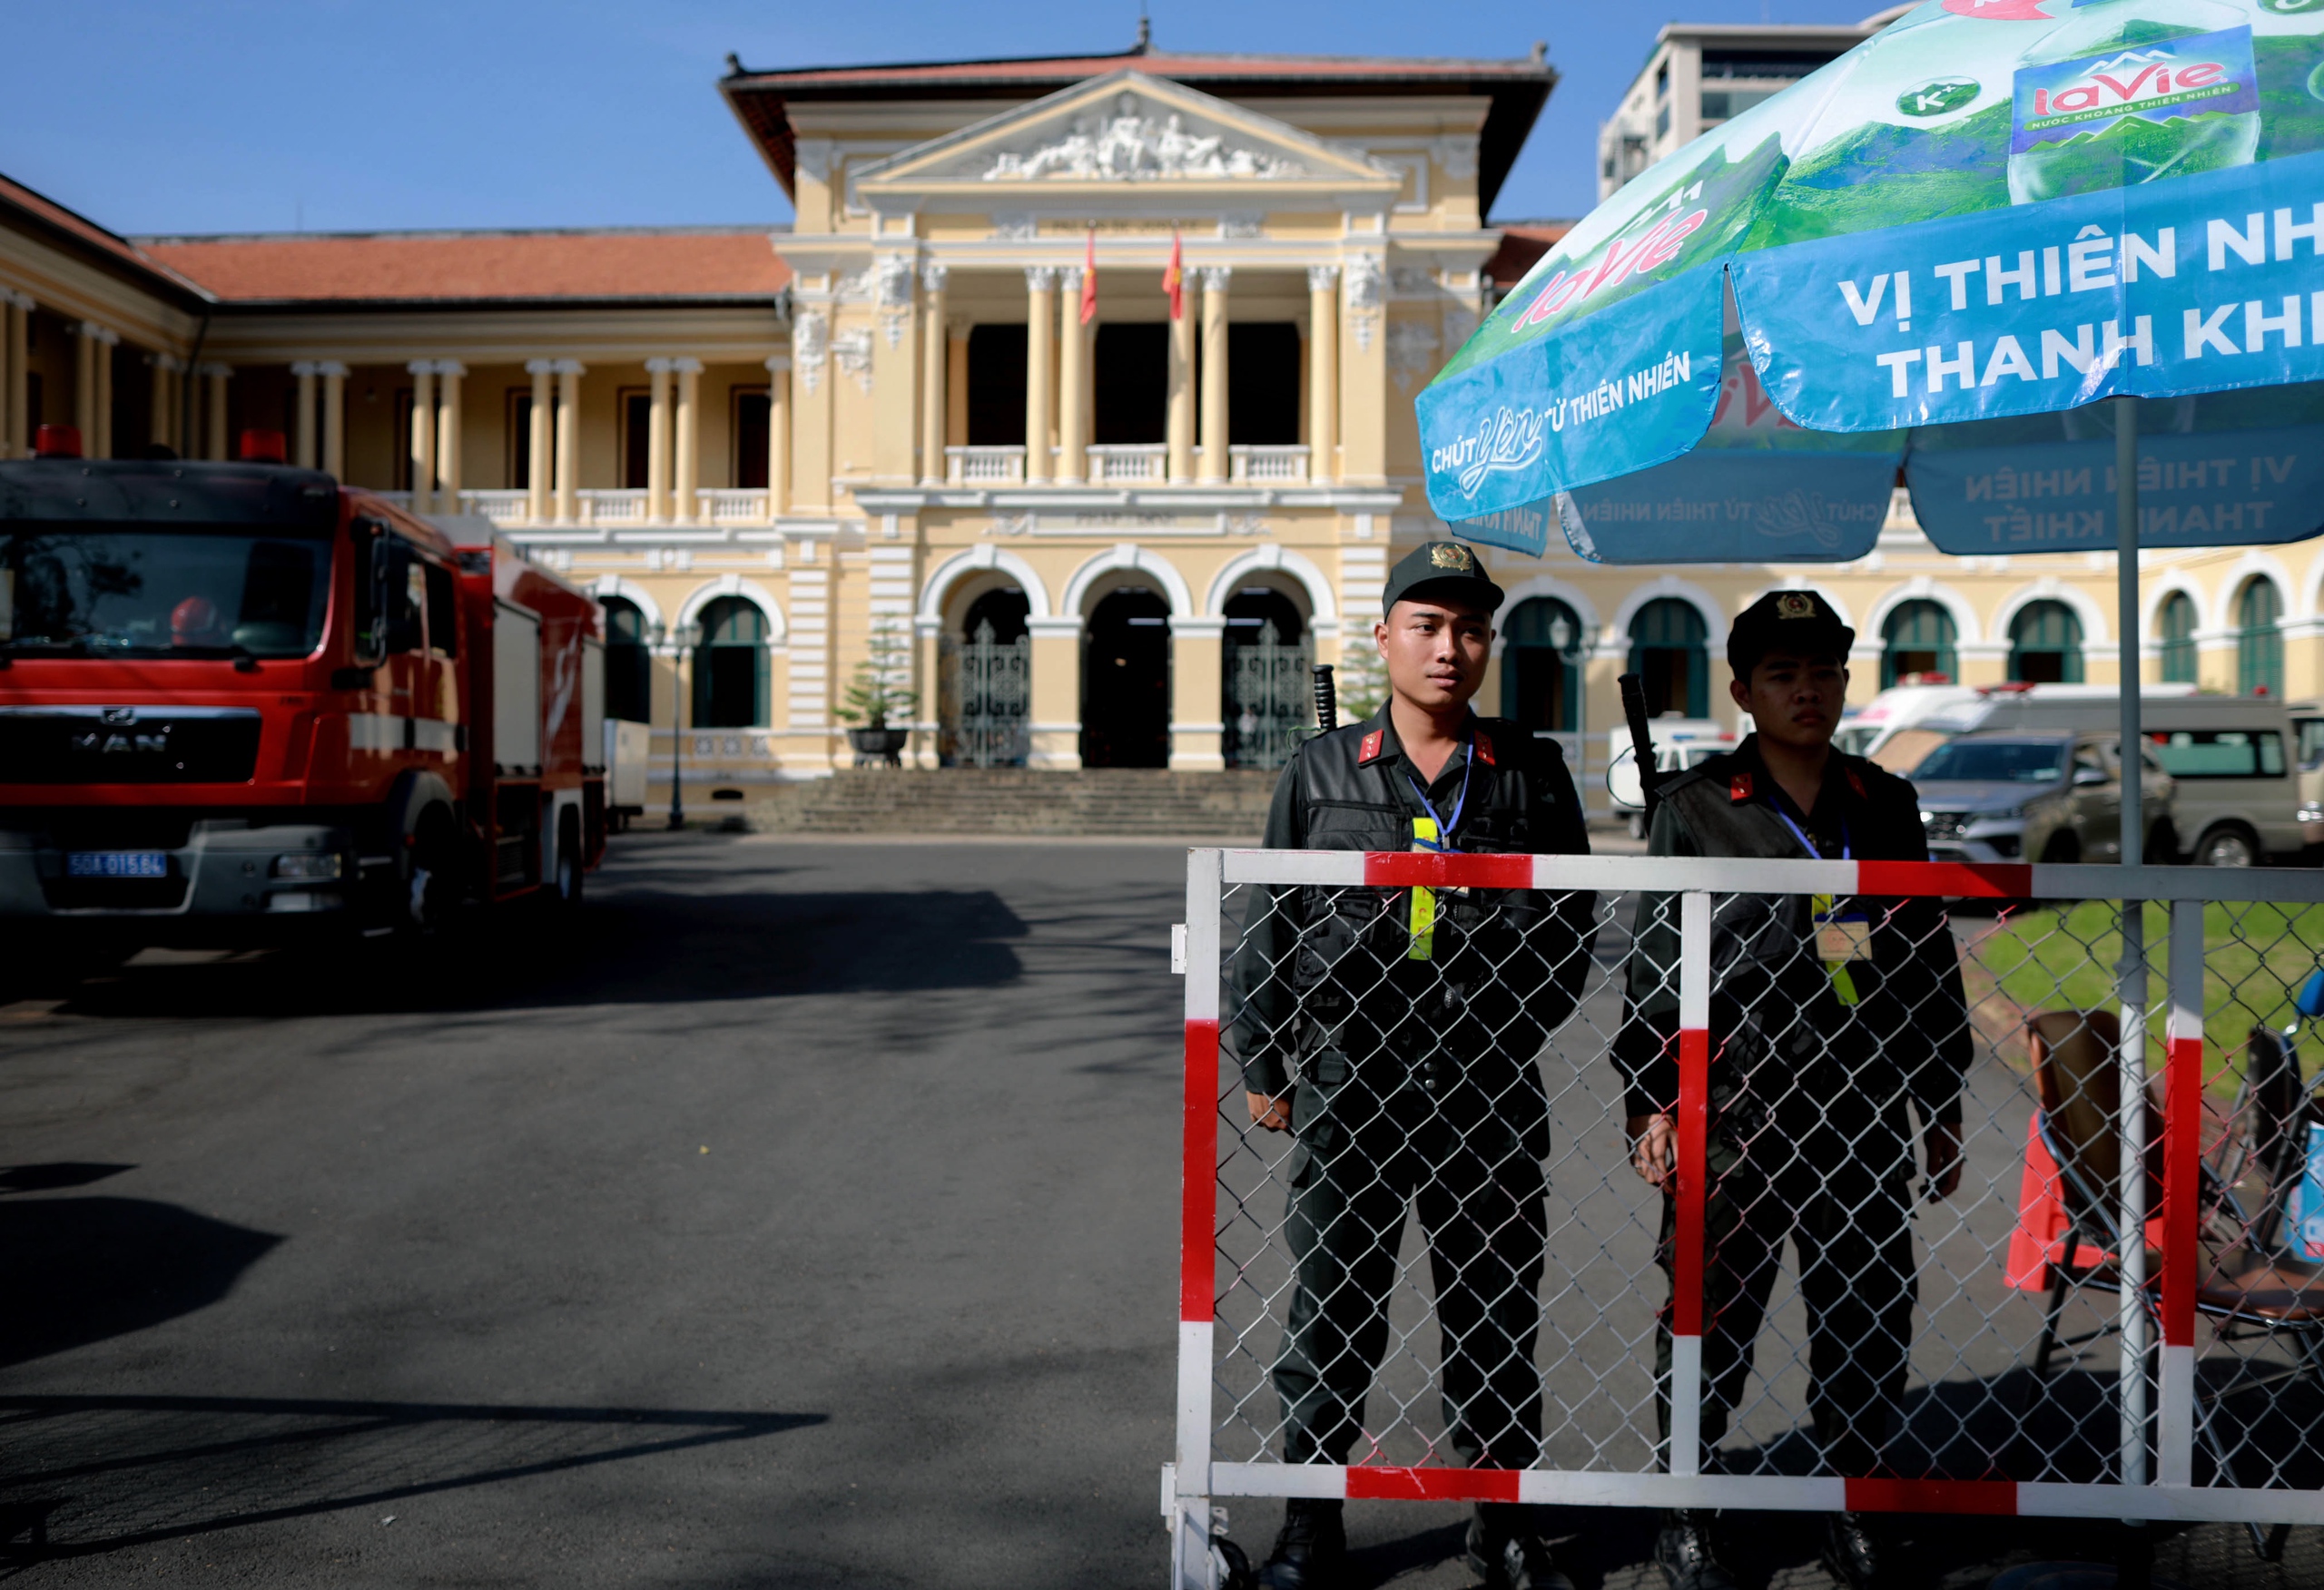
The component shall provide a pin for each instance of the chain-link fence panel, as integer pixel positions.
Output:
(1741, 1184)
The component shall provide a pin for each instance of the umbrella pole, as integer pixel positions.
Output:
(2132, 991)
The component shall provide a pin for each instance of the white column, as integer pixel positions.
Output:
(107, 340)
(218, 375)
(15, 429)
(536, 441)
(1073, 383)
(932, 388)
(569, 372)
(448, 372)
(162, 421)
(334, 375)
(1040, 353)
(687, 508)
(1323, 371)
(778, 435)
(657, 442)
(423, 434)
(302, 438)
(1214, 468)
(84, 386)
(1180, 424)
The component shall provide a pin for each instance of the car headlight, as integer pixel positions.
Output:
(2311, 812)
(308, 864)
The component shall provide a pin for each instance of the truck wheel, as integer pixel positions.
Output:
(572, 867)
(2227, 847)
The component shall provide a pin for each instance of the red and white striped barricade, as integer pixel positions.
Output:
(2142, 1424)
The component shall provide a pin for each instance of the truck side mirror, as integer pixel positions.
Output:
(370, 552)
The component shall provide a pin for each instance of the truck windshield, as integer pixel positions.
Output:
(141, 591)
(1992, 761)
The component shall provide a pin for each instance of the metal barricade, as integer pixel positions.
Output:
(2047, 1366)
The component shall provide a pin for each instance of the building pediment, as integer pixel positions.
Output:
(1127, 127)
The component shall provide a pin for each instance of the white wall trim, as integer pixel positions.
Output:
(1966, 631)
(758, 595)
(1130, 557)
(2232, 580)
(605, 585)
(1536, 586)
(1323, 604)
(984, 557)
(1618, 628)
(2096, 633)
(2167, 583)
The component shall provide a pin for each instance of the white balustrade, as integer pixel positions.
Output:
(983, 465)
(502, 507)
(1267, 464)
(613, 507)
(730, 505)
(1127, 461)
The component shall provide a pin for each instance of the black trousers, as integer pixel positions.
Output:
(1479, 1194)
(1851, 1229)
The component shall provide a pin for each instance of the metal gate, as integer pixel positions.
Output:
(992, 687)
(2049, 1366)
(1268, 700)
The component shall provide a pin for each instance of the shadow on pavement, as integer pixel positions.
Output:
(49, 1177)
(88, 1475)
(646, 944)
(103, 1267)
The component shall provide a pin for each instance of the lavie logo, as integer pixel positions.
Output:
(2208, 72)
(1623, 257)
(1509, 440)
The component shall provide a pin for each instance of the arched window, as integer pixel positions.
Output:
(1920, 641)
(2259, 642)
(629, 663)
(2045, 645)
(1538, 688)
(1267, 702)
(1668, 652)
(984, 683)
(730, 683)
(2176, 626)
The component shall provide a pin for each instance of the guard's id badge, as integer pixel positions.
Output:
(1424, 910)
(1842, 940)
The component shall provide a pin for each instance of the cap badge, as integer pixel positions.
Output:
(1452, 554)
(1795, 604)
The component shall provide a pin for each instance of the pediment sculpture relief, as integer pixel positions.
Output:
(1128, 146)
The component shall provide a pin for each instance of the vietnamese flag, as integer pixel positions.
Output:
(1089, 280)
(1174, 280)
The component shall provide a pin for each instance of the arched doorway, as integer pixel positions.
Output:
(1266, 695)
(1538, 688)
(2045, 645)
(1125, 681)
(2258, 639)
(1669, 652)
(629, 663)
(985, 683)
(1921, 645)
(730, 671)
(2176, 630)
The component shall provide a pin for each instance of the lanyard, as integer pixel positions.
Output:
(1442, 842)
(1783, 817)
(1839, 940)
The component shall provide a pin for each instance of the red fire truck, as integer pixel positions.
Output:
(237, 700)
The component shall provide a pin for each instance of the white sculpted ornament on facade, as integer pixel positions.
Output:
(853, 351)
(1411, 351)
(1128, 147)
(808, 345)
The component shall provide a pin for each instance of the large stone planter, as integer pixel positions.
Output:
(879, 747)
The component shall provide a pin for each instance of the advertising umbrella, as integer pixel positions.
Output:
(2060, 261)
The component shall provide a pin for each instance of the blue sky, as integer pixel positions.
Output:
(344, 115)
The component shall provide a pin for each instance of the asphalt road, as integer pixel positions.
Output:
(803, 1214)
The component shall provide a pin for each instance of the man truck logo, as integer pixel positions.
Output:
(2208, 72)
(120, 716)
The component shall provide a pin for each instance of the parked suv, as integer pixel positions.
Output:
(2036, 795)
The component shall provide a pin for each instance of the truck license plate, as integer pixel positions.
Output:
(117, 864)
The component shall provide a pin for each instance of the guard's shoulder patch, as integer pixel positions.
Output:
(1369, 751)
(1739, 787)
(1856, 782)
(1484, 749)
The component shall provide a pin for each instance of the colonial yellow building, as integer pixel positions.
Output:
(950, 424)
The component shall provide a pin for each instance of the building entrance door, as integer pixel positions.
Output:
(1126, 681)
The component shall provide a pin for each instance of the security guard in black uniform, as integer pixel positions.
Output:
(1829, 1019)
(1394, 1033)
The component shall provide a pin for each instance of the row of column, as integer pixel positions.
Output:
(176, 405)
(672, 441)
(332, 458)
(1059, 414)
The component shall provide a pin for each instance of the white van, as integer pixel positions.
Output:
(1891, 728)
(1679, 744)
(2237, 796)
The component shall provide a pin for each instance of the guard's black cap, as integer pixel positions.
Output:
(1786, 621)
(1444, 569)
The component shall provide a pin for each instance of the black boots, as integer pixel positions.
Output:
(1687, 1556)
(1309, 1553)
(1508, 1553)
(1852, 1555)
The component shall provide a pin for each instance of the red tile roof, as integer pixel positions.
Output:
(436, 267)
(1518, 90)
(1522, 244)
(80, 235)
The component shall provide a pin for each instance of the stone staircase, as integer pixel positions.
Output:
(1129, 802)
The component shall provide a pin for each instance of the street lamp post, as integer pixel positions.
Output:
(1572, 644)
(683, 639)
